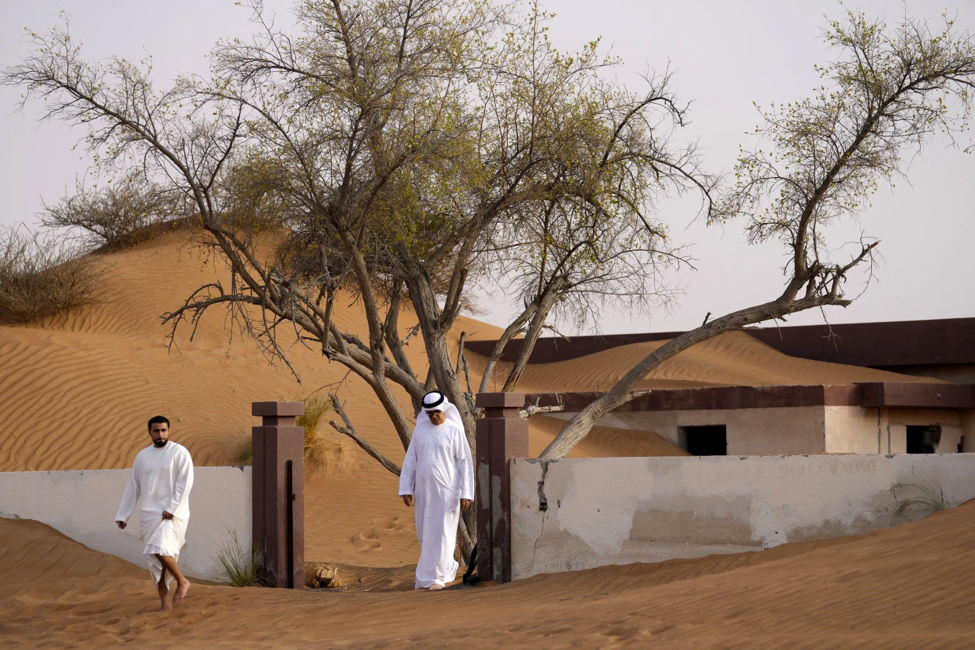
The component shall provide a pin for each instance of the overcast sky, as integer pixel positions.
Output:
(726, 55)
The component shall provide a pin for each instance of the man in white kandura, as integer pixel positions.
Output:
(163, 475)
(438, 477)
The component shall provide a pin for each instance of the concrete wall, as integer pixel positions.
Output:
(968, 431)
(787, 430)
(857, 430)
(83, 505)
(621, 510)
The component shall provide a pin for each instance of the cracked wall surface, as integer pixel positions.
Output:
(602, 511)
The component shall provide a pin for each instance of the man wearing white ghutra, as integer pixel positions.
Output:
(438, 478)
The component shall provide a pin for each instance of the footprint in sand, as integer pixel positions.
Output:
(368, 540)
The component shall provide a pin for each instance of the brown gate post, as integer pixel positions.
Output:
(502, 434)
(278, 493)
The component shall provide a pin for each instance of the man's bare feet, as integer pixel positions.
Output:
(434, 587)
(181, 590)
(165, 599)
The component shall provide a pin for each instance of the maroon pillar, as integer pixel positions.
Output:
(278, 493)
(502, 434)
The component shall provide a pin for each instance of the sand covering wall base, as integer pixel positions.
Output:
(580, 513)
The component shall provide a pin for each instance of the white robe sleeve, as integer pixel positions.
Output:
(131, 495)
(183, 484)
(407, 475)
(465, 468)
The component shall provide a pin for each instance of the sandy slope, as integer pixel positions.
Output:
(76, 391)
(733, 359)
(908, 587)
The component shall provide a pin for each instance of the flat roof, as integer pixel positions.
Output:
(896, 344)
(869, 395)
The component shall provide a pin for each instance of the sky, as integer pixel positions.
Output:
(725, 56)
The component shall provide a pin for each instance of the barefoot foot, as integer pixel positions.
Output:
(181, 590)
(434, 587)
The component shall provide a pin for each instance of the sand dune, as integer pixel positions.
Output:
(906, 587)
(76, 390)
(732, 359)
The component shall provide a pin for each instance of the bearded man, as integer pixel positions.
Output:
(438, 478)
(163, 475)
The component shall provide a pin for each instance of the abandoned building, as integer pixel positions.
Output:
(863, 418)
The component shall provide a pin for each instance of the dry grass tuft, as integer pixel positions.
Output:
(42, 276)
(926, 501)
(316, 447)
(318, 451)
(240, 565)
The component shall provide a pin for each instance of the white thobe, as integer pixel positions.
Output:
(163, 477)
(438, 473)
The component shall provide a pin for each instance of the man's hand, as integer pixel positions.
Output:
(407, 499)
(121, 525)
(465, 504)
(166, 515)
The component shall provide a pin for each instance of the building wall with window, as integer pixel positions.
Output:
(806, 429)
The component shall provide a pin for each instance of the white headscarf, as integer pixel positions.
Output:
(437, 401)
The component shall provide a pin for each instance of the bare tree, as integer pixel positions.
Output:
(889, 90)
(386, 145)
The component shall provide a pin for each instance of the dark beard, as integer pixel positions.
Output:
(160, 443)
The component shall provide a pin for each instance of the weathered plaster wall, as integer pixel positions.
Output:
(83, 505)
(621, 510)
(787, 430)
(856, 430)
(968, 431)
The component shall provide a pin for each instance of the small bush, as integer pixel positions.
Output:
(124, 214)
(240, 565)
(42, 276)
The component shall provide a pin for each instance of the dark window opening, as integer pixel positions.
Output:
(923, 440)
(705, 441)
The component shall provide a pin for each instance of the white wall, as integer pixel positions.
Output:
(622, 510)
(82, 505)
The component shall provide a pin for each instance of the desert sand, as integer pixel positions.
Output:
(906, 587)
(76, 390)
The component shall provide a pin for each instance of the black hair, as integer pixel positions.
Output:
(159, 419)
